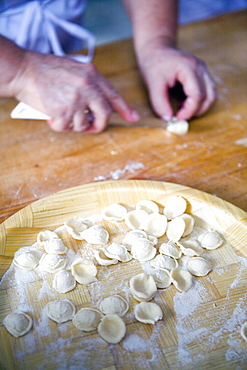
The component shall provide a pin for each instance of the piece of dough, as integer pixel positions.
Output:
(53, 263)
(244, 330)
(113, 304)
(170, 249)
(161, 277)
(64, 281)
(162, 261)
(131, 236)
(190, 247)
(18, 323)
(175, 229)
(175, 206)
(189, 224)
(135, 219)
(143, 287)
(75, 228)
(148, 312)
(87, 319)
(102, 259)
(181, 279)
(55, 246)
(95, 234)
(154, 224)
(118, 251)
(114, 212)
(147, 205)
(210, 240)
(27, 258)
(84, 271)
(61, 310)
(112, 329)
(143, 250)
(46, 235)
(179, 127)
(199, 266)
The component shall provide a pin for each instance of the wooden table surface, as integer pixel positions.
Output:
(212, 157)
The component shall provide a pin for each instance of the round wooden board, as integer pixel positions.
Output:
(200, 329)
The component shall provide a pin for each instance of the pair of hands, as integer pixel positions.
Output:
(67, 90)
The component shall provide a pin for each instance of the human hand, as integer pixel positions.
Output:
(163, 68)
(67, 91)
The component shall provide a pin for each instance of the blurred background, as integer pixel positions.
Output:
(108, 21)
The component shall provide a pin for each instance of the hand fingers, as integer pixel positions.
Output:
(211, 94)
(200, 91)
(100, 112)
(117, 102)
(160, 100)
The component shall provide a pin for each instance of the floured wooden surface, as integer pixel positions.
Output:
(200, 328)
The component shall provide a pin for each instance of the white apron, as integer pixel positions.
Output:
(47, 26)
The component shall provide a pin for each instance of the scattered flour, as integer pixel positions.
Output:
(134, 342)
(115, 175)
(241, 141)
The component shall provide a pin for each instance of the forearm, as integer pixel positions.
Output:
(153, 21)
(11, 57)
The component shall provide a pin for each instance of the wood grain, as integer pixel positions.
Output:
(36, 162)
(203, 337)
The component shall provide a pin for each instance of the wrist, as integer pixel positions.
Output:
(145, 50)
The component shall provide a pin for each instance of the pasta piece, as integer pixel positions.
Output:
(87, 319)
(134, 219)
(189, 224)
(244, 330)
(153, 239)
(210, 240)
(55, 246)
(175, 229)
(143, 287)
(175, 206)
(95, 234)
(18, 323)
(179, 127)
(113, 304)
(148, 312)
(143, 250)
(64, 281)
(53, 263)
(155, 224)
(112, 329)
(117, 251)
(161, 277)
(170, 249)
(114, 212)
(75, 228)
(199, 266)
(131, 236)
(163, 262)
(102, 259)
(84, 271)
(148, 205)
(27, 258)
(46, 235)
(60, 310)
(190, 247)
(181, 279)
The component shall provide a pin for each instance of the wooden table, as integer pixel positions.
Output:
(212, 157)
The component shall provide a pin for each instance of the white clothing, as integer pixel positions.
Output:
(46, 26)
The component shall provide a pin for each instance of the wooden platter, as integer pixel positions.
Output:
(200, 328)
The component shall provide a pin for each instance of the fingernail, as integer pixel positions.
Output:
(166, 118)
(135, 115)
